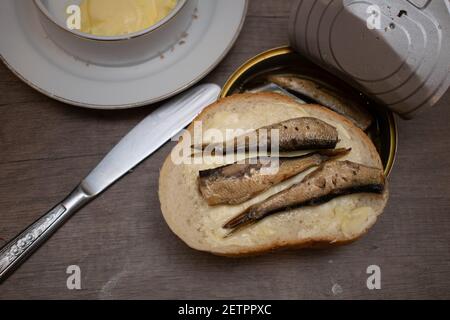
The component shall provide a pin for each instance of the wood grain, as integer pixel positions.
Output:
(124, 248)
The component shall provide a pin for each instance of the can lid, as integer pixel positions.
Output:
(397, 52)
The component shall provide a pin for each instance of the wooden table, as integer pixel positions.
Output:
(124, 248)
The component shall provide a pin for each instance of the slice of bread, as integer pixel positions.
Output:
(341, 220)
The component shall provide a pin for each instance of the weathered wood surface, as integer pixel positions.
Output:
(124, 248)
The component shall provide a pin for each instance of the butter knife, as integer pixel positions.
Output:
(147, 137)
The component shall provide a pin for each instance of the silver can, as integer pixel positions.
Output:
(397, 52)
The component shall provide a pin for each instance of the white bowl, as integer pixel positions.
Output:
(120, 50)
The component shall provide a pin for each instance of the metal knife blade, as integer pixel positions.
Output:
(148, 136)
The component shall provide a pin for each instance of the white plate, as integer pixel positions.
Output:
(27, 51)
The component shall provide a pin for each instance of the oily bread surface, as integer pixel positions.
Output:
(341, 220)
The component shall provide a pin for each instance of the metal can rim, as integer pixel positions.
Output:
(278, 51)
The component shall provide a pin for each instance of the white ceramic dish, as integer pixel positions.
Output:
(120, 50)
(30, 54)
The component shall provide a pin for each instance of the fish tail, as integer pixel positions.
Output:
(240, 220)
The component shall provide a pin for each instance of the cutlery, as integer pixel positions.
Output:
(147, 137)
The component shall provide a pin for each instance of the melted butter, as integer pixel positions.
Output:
(354, 221)
(119, 17)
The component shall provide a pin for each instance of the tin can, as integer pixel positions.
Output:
(397, 52)
(285, 60)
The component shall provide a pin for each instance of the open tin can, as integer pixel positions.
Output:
(386, 56)
(285, 60)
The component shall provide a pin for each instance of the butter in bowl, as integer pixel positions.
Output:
(116, 33)
(122, 17)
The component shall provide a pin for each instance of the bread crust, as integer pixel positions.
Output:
(165, 183)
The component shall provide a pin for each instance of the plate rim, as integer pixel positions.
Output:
(140, 103)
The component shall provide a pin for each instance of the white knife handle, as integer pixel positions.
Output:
(19, 248)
